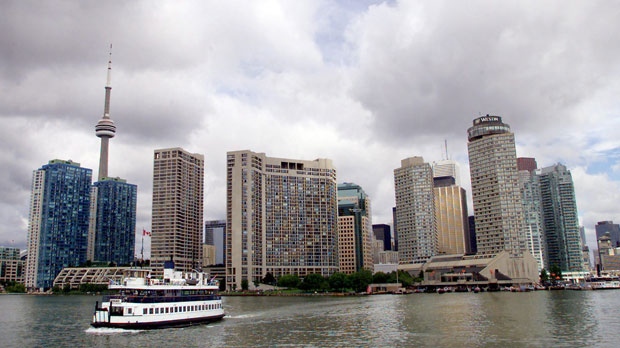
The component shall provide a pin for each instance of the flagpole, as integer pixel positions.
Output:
(142, 250)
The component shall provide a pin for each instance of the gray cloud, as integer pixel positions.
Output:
(363, 83)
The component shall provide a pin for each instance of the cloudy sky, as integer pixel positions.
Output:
(364, 83)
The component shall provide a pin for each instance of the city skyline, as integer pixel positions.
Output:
(309, 80)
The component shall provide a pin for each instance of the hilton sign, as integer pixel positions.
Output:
(486, 119)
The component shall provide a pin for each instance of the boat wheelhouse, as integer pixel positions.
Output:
(142, 302)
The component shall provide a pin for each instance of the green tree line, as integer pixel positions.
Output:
(338, 282)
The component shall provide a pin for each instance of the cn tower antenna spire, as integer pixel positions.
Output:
(105, 128)
(108, 82)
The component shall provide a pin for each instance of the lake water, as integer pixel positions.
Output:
(500, 319)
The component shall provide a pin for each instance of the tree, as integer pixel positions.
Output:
(360, 280)
(288, 281)
(314, 282)
(269, 279)
(405, 278)
(556, 273)
(338, 281)
(544, 277)
(380, 278)
(15, 287)
(244, 284)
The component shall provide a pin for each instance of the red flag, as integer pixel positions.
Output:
(145, 232)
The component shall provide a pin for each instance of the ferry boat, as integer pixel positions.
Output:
(604, 282)
(145, 303)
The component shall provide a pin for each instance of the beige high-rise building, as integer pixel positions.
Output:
(415, 211)
(452, 220)
(208, 255)
(178, 201)
(281, 217)
(498, 210)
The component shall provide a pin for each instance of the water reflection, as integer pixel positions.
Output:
(537, 319)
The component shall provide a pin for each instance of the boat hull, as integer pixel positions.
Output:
(162, 324)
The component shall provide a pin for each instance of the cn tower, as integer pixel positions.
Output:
(105, 128)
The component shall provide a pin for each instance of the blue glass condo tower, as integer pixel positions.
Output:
(114, 222)
(58, 228)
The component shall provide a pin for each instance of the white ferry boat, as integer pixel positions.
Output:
(603, 283)
(145, 303)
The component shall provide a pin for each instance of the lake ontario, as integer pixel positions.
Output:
(496, 319)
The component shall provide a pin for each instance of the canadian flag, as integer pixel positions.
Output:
(145, 232)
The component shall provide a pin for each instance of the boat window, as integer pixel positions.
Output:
(116, 310)
(184, 309)
(144, 311)
(176, 309)
(150, 310)
(129, 310)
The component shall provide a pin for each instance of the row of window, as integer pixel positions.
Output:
(179, 309)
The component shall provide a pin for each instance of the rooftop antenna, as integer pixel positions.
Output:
(446, 146)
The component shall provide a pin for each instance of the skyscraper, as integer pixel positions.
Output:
(105, 128)
(58, 221)
(215, 234)
(112, 229)
(382, 233)
(395, 224)
(534, 233)
(602, 227)
(281, 217)
(526, 163)
(451, 215)
(560, 218)
(472, 234)
(415, 211)
(11, 265)
(498, 209)
(447, 168)
(355, 236)
(178, 201)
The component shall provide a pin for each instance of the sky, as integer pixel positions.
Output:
(363, 83)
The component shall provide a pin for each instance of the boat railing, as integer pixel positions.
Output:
(159, 299)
